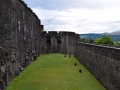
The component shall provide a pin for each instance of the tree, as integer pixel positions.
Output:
(82, 39)
(104, 40)
(86, 40)
(117, 43)
(98, 40)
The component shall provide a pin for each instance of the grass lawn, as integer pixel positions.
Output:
(55, 72)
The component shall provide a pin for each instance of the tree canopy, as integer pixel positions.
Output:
(104, 40)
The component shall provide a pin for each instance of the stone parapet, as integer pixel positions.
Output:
(102, 61)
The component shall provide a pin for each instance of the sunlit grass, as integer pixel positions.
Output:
(55, 72)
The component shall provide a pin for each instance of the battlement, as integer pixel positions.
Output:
(59, 33)
(22, 2)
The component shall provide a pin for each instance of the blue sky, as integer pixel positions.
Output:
(80, 16)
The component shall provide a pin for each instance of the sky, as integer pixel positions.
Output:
(80, 16)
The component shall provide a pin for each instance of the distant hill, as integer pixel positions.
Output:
(113, 33)
(115, 37)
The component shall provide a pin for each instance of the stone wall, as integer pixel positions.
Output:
(43, 42)
(102, 61)
(53, 39)
(67, 42)
(20, 32)
(62, 42)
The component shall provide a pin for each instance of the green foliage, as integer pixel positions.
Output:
(106, 40)
(82, 39)
(94, 36)
(98, 40)
(86, 40)
(117, 44)
(55, 72)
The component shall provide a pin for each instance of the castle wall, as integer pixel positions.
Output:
(53, 35)
(71, 43)
(102, 61)
(40, 38)
(77, 37)
(19, 35)
(67, 42)
(43, 42)
(62, 42)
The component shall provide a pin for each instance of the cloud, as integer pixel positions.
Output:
(65, 4)
(80, 16)
(79, 20)
(53, 24)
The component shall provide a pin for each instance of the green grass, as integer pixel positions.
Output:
(55, 72)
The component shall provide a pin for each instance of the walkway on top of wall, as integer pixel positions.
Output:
(55, 72)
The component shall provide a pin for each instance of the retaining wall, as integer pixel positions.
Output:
(20, 31)
(102, 61)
